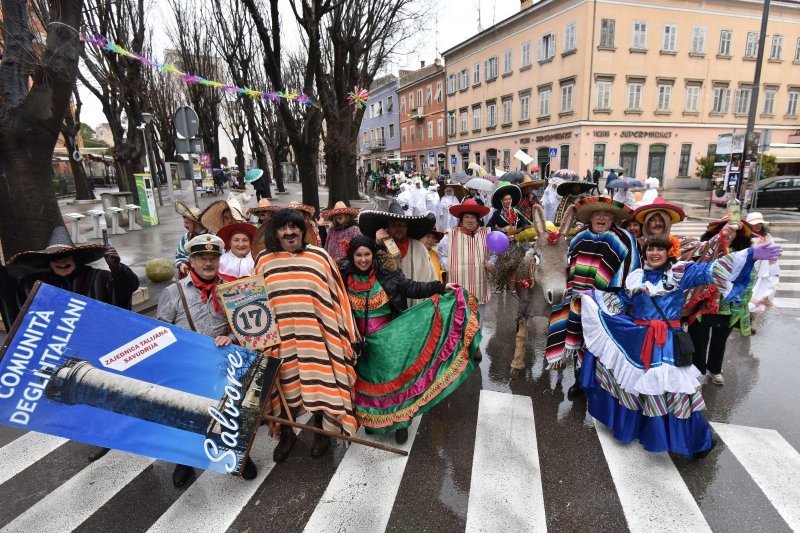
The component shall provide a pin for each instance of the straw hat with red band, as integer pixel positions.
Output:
(245, 228)
(340, 208)
(746, 230)
(675, 213)
(469, 206)
(591, 204)
(59, 246)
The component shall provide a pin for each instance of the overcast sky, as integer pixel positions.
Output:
(451, 22)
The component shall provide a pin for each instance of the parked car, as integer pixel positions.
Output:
(779, 191)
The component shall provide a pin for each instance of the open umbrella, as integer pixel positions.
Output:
(460, 177)
(565, 174)
(614, 168)
(480, 184)
(624, 183)
(599, 168)
(516, 176)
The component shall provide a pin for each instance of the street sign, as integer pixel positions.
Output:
(453, 160)
(553, 153)
(189, 146)
(431, 154)
(186, 122)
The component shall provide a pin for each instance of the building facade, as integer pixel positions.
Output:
(379, 136)
(422, 119)
(645, 84)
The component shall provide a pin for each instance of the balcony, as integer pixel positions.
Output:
(375, 144)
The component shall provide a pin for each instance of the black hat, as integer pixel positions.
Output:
(60, 245)
(369, 222)
(513, 190)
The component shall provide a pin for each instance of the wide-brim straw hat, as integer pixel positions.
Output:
(192, 213)
(340, 208)
(530, 183)
(226, 233)
(502, 190)
(746, 230)
(469, 206)
(458, 190)
(59, 245)
(254, 174)
(591, 204)
(675, 213)
(305, 208)
(264, 206)
(369, 221)
(211, 218)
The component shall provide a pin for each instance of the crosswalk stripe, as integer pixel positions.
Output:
(787, 303)
(787, 273)
(790, 245)
(361, 493)
(69, 505)
(650, 488)
(21, 453)
(779, 239)
(772, 463)
(506, 489)
(788, 262)
(791, 253)
(788, 286)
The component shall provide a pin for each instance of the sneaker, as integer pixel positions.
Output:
(717, 379)
(703, 379)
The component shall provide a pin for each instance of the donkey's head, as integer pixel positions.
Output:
(548, 263)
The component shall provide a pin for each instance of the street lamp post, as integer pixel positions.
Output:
(148, 118)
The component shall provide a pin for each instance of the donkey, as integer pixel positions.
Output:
(541, 278)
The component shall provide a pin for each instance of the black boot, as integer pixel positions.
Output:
(285, 444)
(250, 471)
(401, 435)
(574, 391)
(97, 454)
(321, 443)
(181, 475)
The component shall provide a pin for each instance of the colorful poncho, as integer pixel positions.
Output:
(596, 261)
(317, 331)
(337, 239)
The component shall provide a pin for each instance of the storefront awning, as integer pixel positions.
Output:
(785, 154)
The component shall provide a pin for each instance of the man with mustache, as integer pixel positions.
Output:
(192, 303)
(317, 331)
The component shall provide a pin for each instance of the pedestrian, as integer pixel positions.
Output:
(193, 227)
(219, 181)
(529, 198)
(343, 231)
(192, 303)
(448, 200)
(506, 217)
(638, 380)
(378, 291)
(317, 331)
(570, 192)
(767, 272)
(237, 262)
(431, 241)
(599, 257)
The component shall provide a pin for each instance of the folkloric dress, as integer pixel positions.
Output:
(338, 237)
(767, 278)
(632, 384)
(596, 261)
(464, 257)
(317, 333)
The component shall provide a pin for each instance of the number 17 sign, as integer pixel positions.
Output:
(249, 313)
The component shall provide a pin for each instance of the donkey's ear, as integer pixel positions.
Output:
(567, 221)
(538, 220)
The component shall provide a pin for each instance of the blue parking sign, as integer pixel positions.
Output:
(453, 160)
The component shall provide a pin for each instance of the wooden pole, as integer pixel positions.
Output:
(355, 440)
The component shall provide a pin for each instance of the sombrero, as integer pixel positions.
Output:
(675, 213)
(458, 190)
(438, 234)
(60, 245)
(716, 225)
(226, 233)
(340, 208)
(504, 188)
(253, 175)
(211, 218)
(264, 206)
(528, 182)
(469, 206)
(570, 178)
(369, 221)
(305, 208)
(192, 213)
(586, 206)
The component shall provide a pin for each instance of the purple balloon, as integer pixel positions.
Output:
(497, 242)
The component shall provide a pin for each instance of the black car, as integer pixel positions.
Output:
(779, 191)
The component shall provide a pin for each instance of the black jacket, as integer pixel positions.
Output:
(397, 286)
(498, 220)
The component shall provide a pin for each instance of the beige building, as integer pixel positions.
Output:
(644, 84)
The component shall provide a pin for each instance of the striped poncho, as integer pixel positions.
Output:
(596, 261)
(466, 258)
(317, 332)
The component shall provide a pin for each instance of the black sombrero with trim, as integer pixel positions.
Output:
(370, 221)
(512, 189)
(60, 245)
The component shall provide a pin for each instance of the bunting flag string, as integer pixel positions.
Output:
(289, 95)
(358, 97)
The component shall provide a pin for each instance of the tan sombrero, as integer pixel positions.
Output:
(340, 208)
(675, 213)
(305, 208)
(264, 206)
(528, 183)
(211, 218)
(192, 213)
(58, 246)
(591, 204)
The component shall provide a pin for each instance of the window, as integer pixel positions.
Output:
(719, 104)
(664, 97)
(439, 91)
(751, 46)
(430, 130)
(413, 133)
(599, 155)
(507, 111)
(451, 84)
(506, 159)
(544, 102)
(669, 43)
(698, 41)
(440, 128)
(791, 108)
(607, 33)
(403, 136)
(389, 104)
(491, 68)
(421, 132)
(491, 115)
(692, 98)
(564, 149)
(603, 94)
(507, 66)
(546, 47)
(476, 118)
(567, 92)
(428, 95)
(411, 109)
(686, 156)
(383, 135)
(526, 53)
(364, 138)
(711, 150)
(402, 105)
(769, 99)
(391, 131)
(635, 89)
(725, 38)
(570, 37)
(776, 51)
(463, 80)
(797, 50)
(463, 121)
(741, 100)
(476, 74)
(525, 106)
(419, 97)
(451, 123)
(639, 35)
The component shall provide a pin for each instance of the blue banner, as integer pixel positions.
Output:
(88, 371)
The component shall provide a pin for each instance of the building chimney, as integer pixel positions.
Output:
(421, 64)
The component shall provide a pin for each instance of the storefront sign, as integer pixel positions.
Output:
(553, 137)
(602, 133)
(525, 140)
(647, 134)
(463, 147)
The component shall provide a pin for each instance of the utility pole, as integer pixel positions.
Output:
(751, 116)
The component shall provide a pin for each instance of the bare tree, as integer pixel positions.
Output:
(161, 94)
(70, 132)
(35, 89)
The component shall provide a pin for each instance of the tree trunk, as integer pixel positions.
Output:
(83, 189)
(340, 158)
(278, 154)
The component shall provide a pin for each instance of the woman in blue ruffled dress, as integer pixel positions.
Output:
(629, 370)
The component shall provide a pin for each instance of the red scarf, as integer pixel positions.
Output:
(361, 286)
(470, 233)
(403, 246)
(511, 216)
(207, 288)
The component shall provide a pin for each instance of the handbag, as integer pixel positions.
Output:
(682, 345)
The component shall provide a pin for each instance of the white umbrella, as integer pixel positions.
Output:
(480, 184)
